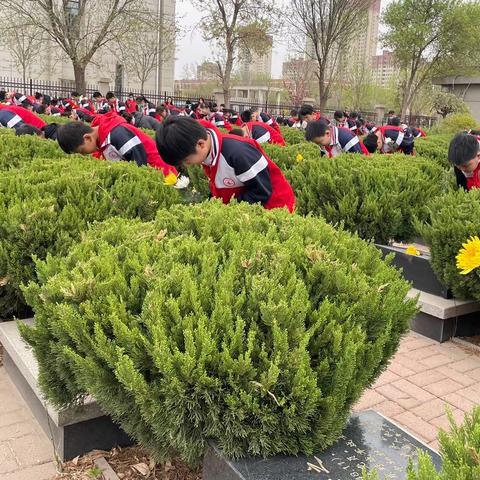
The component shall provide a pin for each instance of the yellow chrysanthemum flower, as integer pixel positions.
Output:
(468, 257)
(170, 179)
(411, 250)
(299, 158)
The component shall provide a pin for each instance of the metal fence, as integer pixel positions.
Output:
(63, 89)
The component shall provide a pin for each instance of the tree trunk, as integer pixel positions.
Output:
(322, 93)
(80, 82)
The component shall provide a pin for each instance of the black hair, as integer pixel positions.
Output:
(140, 98)
(127, 116)
(40, 109)
(463, 148)
(96, 94)
(353, 115)
(393, 121)
(54, 102)
(38, 95)
(306, 110)
(338, 114)
(315, 129)
(3, 95)
(371, 142)
(130, 94)
(246, 116)
(177, 138)
(293, 113)
(109, 95)
(74, 94)
(47, 99)
(237, 131)
(27, 129)
(161, 109)
(70, 136)
(391, 112)
(50, 130)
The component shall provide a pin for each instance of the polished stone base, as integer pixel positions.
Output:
(369, 440)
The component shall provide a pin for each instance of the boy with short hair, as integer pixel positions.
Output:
(259, 131)
(112, 138)
(390, 139)
(334, 140)
(464, 154)
(236, 167)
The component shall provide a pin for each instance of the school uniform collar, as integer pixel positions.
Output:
(214, 154)
(333, 136)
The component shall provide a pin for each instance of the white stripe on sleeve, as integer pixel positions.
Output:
(16, 119)
(133, 142)
(350, 144)
(254, 170)
(264, 138)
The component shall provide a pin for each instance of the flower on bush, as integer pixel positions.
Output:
(299, 158)
(468, 257)
(170, 179)
(411, 250)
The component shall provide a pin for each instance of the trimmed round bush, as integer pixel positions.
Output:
(19, 151)
(291, 155)
(46, 205)
(434, 147)
(376, 197)
(456, 123)
(452, 220)
(256, 329)
(293, 136)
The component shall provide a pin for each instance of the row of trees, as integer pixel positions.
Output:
(429, 38)
(82, 30)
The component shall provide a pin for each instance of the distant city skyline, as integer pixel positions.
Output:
(192, 49)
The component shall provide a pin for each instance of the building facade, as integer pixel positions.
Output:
(106, 70)
(255, 66)
(384, 69)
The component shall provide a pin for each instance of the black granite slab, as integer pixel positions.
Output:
(369, 440)
(417, 270)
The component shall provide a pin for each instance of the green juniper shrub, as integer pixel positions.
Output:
(460, 451)
(256, 329)
(455, 123)
(375, 196)
(452, 220)
(19, 151)
(434, 147)
(46, 205)
(288, 157)
(55, 119)
(293, 136)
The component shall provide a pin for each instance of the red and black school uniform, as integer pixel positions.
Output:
(417, 132)
(268, 120)
(12, 116)
(342, 140)
(396, 139)
(131, 105)
(238, 167)
(118, 140)
(263, 133)
(218, 119)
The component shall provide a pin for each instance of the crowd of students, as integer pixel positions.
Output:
(234, 162)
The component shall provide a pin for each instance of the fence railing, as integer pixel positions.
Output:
(64, 89)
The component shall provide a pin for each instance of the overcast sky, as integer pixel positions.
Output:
(192, 50)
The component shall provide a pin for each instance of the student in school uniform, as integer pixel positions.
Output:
(236, 167)
(259, 131)
(209, 111)
(131, 104)
(464, 155)
(334, 141)
(139, 120)
(390, 139)
(110, 137)
(13, 116)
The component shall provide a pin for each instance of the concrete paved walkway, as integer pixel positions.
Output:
(422, 377)
(25, 451)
